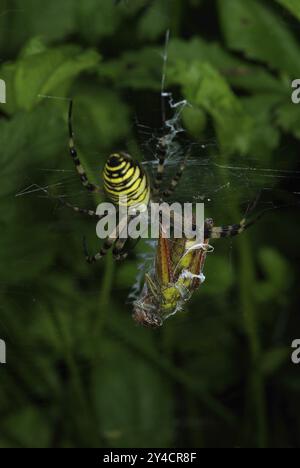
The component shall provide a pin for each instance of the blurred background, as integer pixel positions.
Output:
(79, 371)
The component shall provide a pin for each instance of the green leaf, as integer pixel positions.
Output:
(29, 427)
(219, 276)
(126, 275)
(139, 70)
(265, 136)
(237, 72)
(257, 31)
(288, 117)
(96, 19)
(194, 120)
(155, 20)
(24, 243)
(292, 5)
(203, 86)
(49, 71)
(277, 273)
(143, 68)
(18, 22)
(40, 138)
(137, 412)
(216, 364)
(103, 115)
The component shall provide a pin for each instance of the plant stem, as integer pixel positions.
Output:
(246, 281)
(106, 288)
(83, 416)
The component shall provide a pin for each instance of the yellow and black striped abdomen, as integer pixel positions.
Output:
(125, 181)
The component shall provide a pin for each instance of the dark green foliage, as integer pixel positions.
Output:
(79, 373)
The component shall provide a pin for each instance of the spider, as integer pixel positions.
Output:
(125, 179)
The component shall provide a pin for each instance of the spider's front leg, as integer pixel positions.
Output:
(176, 179)
(161, 149)
(74, 155)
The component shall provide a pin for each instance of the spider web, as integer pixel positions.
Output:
(208, 177)
(211, 177)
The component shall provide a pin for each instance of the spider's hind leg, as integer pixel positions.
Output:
(123, 247)
(119, 250)
(230, 230)
(108, 243)
(116, 238)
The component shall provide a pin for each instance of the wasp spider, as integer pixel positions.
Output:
(126, 183)
(125, 179)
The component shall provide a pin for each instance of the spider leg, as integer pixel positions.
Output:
(73, 152)
(120, 252)
(162, 153)
(116, 235)
(108, 243)
(232, 230)
(176, 179)
(77, 209)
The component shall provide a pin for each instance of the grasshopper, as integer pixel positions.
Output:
(177, 273)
